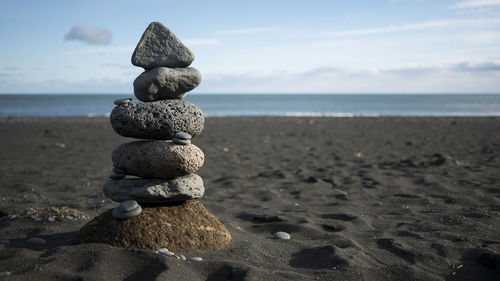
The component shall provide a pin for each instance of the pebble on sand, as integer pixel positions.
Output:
(281, 235)
(36, 240)
(122, 101)
(166, 252)
(195, 259)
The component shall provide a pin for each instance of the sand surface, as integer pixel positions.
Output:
(362, 198)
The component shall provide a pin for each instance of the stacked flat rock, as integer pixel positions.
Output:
(154, 178)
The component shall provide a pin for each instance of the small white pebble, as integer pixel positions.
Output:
(281, 235)
(51, 219)
(3, 273)
(195, 259)
(183, 257)
(4, 241)
(165, 251)
(36, 240)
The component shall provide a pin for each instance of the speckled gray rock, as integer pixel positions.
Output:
(163, 83)
(157, 120)
(157, 159)
(128, 210)
(160, 47)
(155, 190)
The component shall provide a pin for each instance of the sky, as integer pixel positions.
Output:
(365, 46)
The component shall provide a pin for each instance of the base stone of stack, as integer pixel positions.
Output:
(187, 227)
(155, 190)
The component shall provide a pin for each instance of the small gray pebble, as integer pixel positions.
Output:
(51, 219)
(4, 241)
(177, 257)
(122, 101)
(179, 141)
(281, 235)
(182, 136)
(3, 273)
(117, 170)
(36, 240)
(126, 215)
(128, 206)
(166, 252)
(195, 259)
(115, 176)
(183, 257)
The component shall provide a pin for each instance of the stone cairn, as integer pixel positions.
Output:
(154, 179)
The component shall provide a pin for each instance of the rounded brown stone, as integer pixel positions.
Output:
(187, 227)
(157, 159)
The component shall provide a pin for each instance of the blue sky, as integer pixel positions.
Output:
(375, 46)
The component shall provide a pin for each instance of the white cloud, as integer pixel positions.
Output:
(414, 27)
(89, 34)
(246, 31)
(190, 42)
(482, 37)
(475, 4)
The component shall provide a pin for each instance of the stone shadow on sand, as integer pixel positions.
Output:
(318, 258)
(52, 241)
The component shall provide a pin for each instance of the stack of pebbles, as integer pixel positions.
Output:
(154, 179)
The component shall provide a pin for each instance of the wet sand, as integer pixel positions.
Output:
(362, 198)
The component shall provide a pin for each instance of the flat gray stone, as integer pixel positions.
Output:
(182, 136)
(182, 142)
(36, 240)
(281, 235)
(128, 206)
(163, 83)
(157, 159)
(122, 101)
(155, 190)
(157, 120)
(160, 47)
(121, 215)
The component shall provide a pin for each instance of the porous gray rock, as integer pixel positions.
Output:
(127, 210)
(157, 159)
(163, 83)
(157, 120)
(160, 47)
(155, 190)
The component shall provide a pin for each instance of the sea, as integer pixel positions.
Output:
(338, 105)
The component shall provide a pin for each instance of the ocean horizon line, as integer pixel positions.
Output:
(270, 93)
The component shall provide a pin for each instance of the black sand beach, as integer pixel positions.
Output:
(387, 198)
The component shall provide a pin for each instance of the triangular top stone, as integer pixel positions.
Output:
(160, 47)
